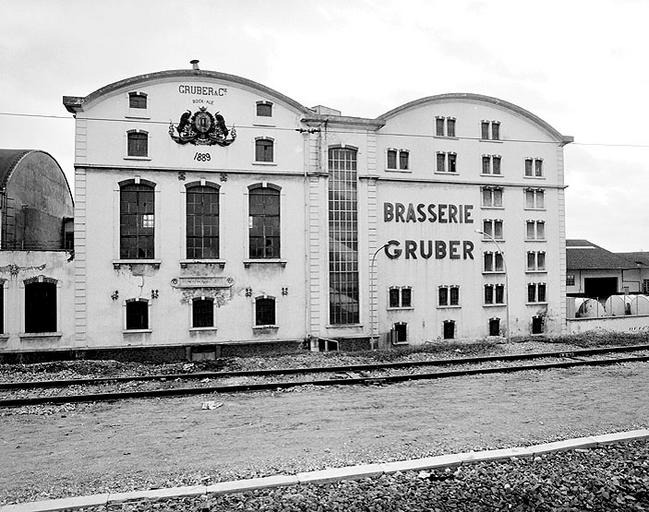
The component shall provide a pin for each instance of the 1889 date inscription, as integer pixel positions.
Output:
(202, 157)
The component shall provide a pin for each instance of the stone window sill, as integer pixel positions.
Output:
(496, 141)
(137, 331)
(447, 137)
(491, 175)
(142, 158)
(405, 171)
(264, 328)
(186, 263)
(534, 177)
(450, 307)
(494, 305)
(267, 261)
(203, 329)
(40, 334)
(345, 326)
(493, 272)
(536, 303)
(544, 271)
(447, 173)
(407, 308)
(269, 164)
(154, 263)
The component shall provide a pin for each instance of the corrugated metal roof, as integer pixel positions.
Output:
(8, 160)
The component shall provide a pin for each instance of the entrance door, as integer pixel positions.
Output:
(494, 327)
(600, 287)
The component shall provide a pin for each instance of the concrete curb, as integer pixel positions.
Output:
(327, 475)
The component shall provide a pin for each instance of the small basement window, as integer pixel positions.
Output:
(137, 314)
(449, 329)
(203, 312)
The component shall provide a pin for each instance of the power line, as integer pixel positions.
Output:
(279, 128)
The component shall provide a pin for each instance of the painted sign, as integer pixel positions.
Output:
(442, 213)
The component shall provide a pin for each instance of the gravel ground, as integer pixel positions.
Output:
(96, 368)
(142, 444)
(615, 477)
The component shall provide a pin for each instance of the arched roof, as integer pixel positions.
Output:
(75, 103)
(480, 98)
(10, 158)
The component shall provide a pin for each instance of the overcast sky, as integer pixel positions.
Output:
(579, 65)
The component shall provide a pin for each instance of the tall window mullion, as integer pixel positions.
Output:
(202, 222)
(343, 237)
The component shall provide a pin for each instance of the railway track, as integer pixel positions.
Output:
(13, 394)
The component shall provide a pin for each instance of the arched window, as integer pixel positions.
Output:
(136, 100)
(203, 312)
(264, 109)
(264, 150)
(202, 221)
(138, 143)
(265, 311)
(264, 234)
(40, 305)
(137, 314)
(136, 220)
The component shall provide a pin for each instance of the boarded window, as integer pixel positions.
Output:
(264, 109)
(137, 314)
(264, 150)
(136, 100)
(264, 227)
(203, 312)
(138, 144)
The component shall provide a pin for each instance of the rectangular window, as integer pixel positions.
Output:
(492, 228)
(441, 162)
(493, 262)
(450, 126)
(136, 100)
(446, 162)
(398, 159)
(203, 312)
(392, 158)
(491, 164)
(403, 160)
(452, 161)
(494, 294)
(138, 144)
(535, 230)
(534, 167)
(400, 332)
(443, 296)
(264, 109)
(264, 222)
(537, 325)
(264, 311)
(264, 150)
(490, 130)
(400, 297)
(494, 327)
(536, 261)
(449, 329)
(455, 295)
(645, 285)
(343, 237)
(570, 281)
(202, 222)
(137, 314)
(40, 306)
(439, 126)
(492, 197)
(137, 221)
(535, 199)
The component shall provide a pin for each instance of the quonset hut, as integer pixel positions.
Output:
(36, 273)
(214, 210)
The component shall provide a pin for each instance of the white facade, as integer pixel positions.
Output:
(392, 206)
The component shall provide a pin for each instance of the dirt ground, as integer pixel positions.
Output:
(161, 442)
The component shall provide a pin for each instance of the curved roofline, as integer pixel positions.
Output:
(74, 103)
(20, 155)
(565, 139)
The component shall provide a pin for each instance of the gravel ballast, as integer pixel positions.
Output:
(614, 477)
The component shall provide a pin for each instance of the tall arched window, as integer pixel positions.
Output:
(40, 305)
(343, 237)
(138, 143)
(136, 220)
(264, 234)
(202, 221)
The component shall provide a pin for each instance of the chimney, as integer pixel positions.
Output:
(194, 64)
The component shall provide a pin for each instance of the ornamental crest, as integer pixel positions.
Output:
(202, 129)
